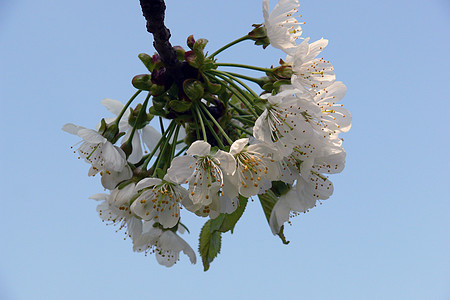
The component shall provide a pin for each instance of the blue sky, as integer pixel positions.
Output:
(384, 234)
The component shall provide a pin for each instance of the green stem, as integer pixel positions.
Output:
(241, 95)
(181, 151)
(174, 145)
(213, 132)
(242, 129)
(258, 81)
(238, 109)
(205, 137)
(203, 106)
(245, 37)
(161, 125)
(163, 150)
(124, 109)
(217, 72)
(149, 157)
(244, 120)
(197, 131)
(244, 67)
(139, 117)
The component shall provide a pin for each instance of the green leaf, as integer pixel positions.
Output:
(210, 235)
(210, 244)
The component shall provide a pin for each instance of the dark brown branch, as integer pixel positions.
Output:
(153, 11)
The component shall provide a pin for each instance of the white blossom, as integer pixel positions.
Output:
(333, 116)
(311, 73)
(166, 245)
(115, 209)
(97, 150)
(149, 135)
(159, 201)
(203, 171)
(282, 27)
(285, 121)
(255, 167)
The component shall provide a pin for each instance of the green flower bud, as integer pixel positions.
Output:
(190, 42)
(200, 45)
(147, 61)
(180, 105)
(142, 82)
(193, 89)
(180, 52)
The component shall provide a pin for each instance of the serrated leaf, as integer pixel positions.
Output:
(210, 244)
(210, 235)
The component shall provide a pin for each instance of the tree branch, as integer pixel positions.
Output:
(153, 11)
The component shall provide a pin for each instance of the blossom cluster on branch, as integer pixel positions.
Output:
(219, 142)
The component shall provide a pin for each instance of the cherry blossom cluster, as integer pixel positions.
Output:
(219, 142)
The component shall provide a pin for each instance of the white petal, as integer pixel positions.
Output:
(136, 153)
(151, 137)
(112, 105)
(181, 169)
(227, 162)
(72, 128)
(134, 228)
(238, 146)
(93, 171)
(114, 157)
(200, 148)
(147, 182)
(91, 136)
(279, 215)
(110, 179)
(99, 197)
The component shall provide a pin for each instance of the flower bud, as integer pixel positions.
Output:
(160, 101)
(193, 89)
(180, 105)
(142, 82)
(180, 52)
(134, 119)
(200, 45)
(190, 42)
(147, 61)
